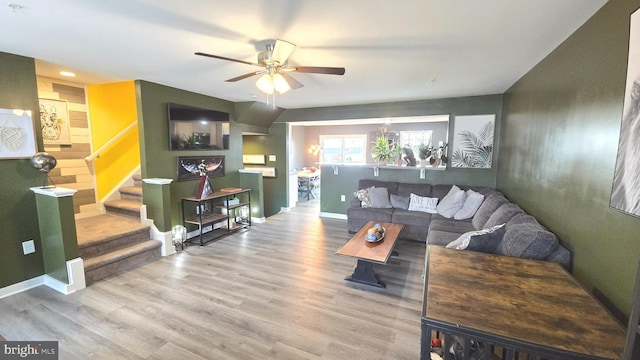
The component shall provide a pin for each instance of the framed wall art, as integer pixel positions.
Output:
(625, 193)
(190, 167)
(17, 136)
(473, 141)
(55, 123)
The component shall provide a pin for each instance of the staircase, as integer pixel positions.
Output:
(116, 242)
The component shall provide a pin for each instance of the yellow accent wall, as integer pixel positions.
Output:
(112, 107)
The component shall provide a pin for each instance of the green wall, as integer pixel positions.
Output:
(346, 182)
(18, 216)
(156, 159)
(275, 189)
(58, 231)
(559, 140)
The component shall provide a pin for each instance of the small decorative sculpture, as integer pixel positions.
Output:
(44, 162)
(409, 157)
(204, 188)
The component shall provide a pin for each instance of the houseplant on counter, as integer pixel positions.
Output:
(435, 156)
(384, 151)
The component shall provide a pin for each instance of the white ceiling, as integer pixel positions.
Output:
(392, 50)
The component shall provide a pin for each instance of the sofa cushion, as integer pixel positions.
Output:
(406, 217)
(399, 202)
(391, 186)
(379, 198)
(452, 202)
(441, 223)
(442, 238)
(561, 256)
(490, 204)
(525, 238)
(503, 214)
(440, 191)
(485, 240)
(423, 203)
(359, 216)
(363, 196)
(470, 206)
(405, 189)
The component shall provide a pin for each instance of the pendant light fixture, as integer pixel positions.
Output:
(269, 84)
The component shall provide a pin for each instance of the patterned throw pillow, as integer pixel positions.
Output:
(363, 196)
(485, 240)
(424, 204)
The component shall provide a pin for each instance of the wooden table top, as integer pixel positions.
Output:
(380, 252)
(532, 301)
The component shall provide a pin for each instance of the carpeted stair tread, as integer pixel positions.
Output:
(124, 204)
(105, 227)
(131, 190)
(126, 207)
(118, 255)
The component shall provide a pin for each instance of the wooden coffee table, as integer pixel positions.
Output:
(369, 253)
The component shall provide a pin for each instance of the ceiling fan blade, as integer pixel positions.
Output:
(241, 77)
(282, 50)
(293, 83)
(226, 58)
(320, 70)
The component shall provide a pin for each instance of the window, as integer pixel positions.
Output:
(343, 149)
(413, 139)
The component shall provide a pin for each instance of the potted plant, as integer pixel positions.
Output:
(438, 156)
(384, 151)
(424, 152)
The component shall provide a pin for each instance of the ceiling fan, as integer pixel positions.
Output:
(274, 60)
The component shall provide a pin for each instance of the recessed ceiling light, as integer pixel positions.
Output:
(67, 73)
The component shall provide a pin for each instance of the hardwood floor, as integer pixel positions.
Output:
(276, 291)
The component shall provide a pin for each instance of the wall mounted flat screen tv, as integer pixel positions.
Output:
(192, 128)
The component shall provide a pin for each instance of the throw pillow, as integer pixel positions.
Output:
(424, 204)
(363, 196)
(399, 202)
(379, 198)
(470, 206)
(485, 240)
(452, 202)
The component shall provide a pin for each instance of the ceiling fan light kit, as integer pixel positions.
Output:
(275, 77)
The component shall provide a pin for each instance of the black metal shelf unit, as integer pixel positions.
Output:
(223, 211)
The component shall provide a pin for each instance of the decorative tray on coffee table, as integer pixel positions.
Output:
(375, 234)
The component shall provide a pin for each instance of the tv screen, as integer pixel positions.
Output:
(192, 128)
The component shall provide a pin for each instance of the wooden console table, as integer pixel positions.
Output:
(514, 305)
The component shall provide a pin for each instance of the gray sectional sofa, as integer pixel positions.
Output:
(521, 236)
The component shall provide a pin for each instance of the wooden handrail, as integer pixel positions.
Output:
(102, 148)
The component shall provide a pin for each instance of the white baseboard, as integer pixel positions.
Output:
(333, 215)
(167, 247)
(75, 271)
(21, 286)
